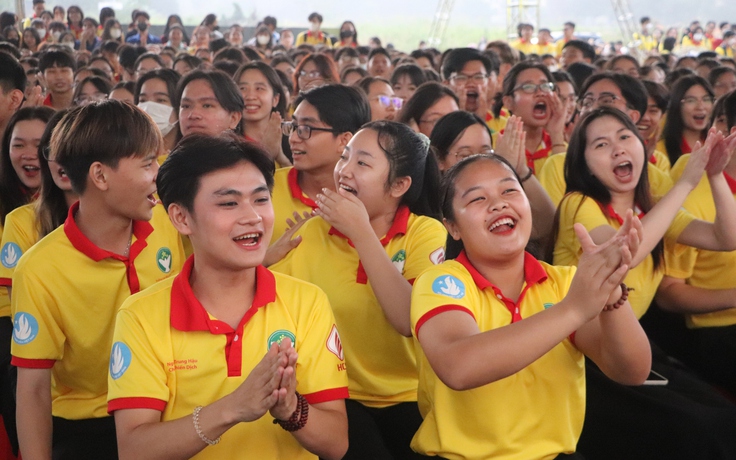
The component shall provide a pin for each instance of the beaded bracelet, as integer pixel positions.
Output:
(195, 418)
(299, 418)
(527, 176)
(624, 296)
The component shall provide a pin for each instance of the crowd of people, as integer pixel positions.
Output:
(300, 246)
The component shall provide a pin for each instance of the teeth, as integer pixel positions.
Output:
(31, 168)
(625, 163)
(247, 235)
(345, 187)
(505, 221)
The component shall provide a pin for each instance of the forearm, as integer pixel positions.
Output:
(557, 137)
(175, 439)
(33, 417)
(725, 221)
(623, 351)
(326, 431)
(391, 289)
(678, 297)
(656, 222)
(543, 210)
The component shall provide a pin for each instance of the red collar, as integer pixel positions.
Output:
(398, 227)
(141, 230)
(320, 35)
(653, 159)
(296, 190)
(543, 152)
(534, 273)
(608, 210)
(731, 182)
(685, 147)
(47, 102)
(188, 314)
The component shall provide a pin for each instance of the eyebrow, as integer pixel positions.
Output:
(233, 192)
(605, 93)
(202, 99)
(605, 137)
(305, 120)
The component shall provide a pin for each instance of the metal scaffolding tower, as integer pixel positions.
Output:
(518, 11)
(440, 21)
(627, 24)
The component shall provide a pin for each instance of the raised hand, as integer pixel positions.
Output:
(344, 211)
(512, 144)
(286, 242)
(287, 401)
(721, 153)
(260, 390)
(699, 159)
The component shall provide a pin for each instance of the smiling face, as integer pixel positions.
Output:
(201, 112)
(492, 215)
(231, 221)
(650, 121)
(695, 112)
(258, 95)
(614, 155)
(472, 141)
(322, 149)
(130, 187)
(532, 108)
(24, 151)
(380, 90)
(363, 170)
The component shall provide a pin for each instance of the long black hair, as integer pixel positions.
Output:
(674, 125)
(51, 206)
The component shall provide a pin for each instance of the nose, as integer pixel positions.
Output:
(193, 114)
(497, 204)
(250, 216)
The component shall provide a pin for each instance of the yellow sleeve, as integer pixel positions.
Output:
(552, 177)
(425, 248)
(18, 237)
(659, 182)
(679, 260)
(575, 208)
(300, 39)
(438, 289)
(682, 219)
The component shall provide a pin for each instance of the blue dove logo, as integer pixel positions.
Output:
(10, 254)
(449, 286)
(120, 359)
(25, 328)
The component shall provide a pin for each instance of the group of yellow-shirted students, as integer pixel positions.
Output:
(461, 255)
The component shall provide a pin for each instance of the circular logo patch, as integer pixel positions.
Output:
(449, 286)
(10, 254)
(278, 336)
(163, 260)
(25, 328)
(120, 359)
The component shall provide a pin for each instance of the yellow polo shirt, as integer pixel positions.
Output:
(310, 38)
(287, 198)
(21, 232)
(699, 267)
(535, 413)
(382, 363)
(169, 354)
(643, 279)
(549, 48)
(66, 292)
(552, 178)
(660, 159)
(523, 46)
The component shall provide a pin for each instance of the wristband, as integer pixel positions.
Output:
(195, 419)
(624, 296)
(299, 418)
(527, 176)
(559, 145)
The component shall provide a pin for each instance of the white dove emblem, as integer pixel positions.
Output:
(119, 360)
(22, 330)
(449, 286)
(165, 262)
(10, 255)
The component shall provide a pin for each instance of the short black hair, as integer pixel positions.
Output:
(729, 106)
(456, 59)
(659, 93)
(226, 91)
(375, 51)
(56, 57)
(315, 17)
(269, 21)
(585, 47)
(632, 89)
(414, 72)
(180, 175)
(343, 108)
(168, 76)
(139, 13)
(12, 75)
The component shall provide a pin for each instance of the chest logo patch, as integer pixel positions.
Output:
(399, 259)
(120, 359)
(449, 286)
(163, 260)
(25, 328)
(10, 254)
(334, 345)
(278, 337)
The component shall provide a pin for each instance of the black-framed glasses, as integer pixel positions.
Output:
(461, 79)
(45, 153)
(531, 88)
(604, 99)
(302, 131)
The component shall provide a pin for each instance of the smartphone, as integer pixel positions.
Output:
(656, 379)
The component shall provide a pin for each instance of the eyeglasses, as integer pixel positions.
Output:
(312, 74)
(465, 153)
(45, 153)
(302, 131)
(604, 99)
(567, 99)
(531, 88)
(84, 100)
(461, 79)
(692, 101)
(387, 101)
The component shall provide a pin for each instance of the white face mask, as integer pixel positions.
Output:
(697, 37)
(263, 39)
(116, 33)
(314, 26)
(56, 36)
(160, 113)
(41, 33)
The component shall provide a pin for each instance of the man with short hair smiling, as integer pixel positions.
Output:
(57, 67)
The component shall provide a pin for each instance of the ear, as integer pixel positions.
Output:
(276, 99)
(508, 102)
(635, 116)
(16, 99)
(235, 118)
(98, 176)
(452, 229)
(733, 130)
(400, 186)
(180, 218)
(343, 139)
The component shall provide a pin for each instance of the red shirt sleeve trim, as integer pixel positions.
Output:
(327, 395)
(6, 282)
(135, 403)
(572, 339)
(33, 363)
(432, 313)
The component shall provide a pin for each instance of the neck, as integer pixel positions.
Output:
(62, 100)
(170, 139)
(108, 231)
(622, 202)
(382, 222)
(533, 137)
(226, 294)
(70, 198)
(691, 136)
(255, 128)
(507, 275)
(312, 182)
